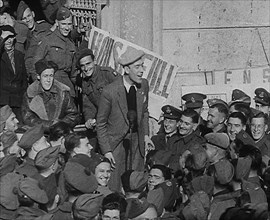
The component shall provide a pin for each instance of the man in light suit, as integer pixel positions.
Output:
(122, 118)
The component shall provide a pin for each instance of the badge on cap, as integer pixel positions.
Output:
(192, 99)
(169, 183)
(261, 95)
(168, 110)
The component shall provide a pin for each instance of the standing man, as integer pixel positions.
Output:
(59, 48)
(13, 78)
(48, 101)
(123, 117)
(93, 79)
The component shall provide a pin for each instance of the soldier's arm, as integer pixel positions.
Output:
(89, 109)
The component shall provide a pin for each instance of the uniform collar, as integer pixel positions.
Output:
(127, 85)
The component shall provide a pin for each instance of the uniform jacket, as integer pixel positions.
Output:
(264, 145)
(27, 168)
(92, 88)
(112, 121)
(12, 85)
(160, 143)
(61, 50)
(34, 111)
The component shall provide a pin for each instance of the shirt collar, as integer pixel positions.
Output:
(128, 85)
(52, 90)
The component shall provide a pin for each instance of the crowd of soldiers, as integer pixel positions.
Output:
(50, 168)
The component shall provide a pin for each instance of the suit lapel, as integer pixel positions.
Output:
(139, 96)
(37, 106)
(122, 100)
(8, 64)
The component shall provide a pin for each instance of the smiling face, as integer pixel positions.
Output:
(87, 66)
(103, 173)
(170, 125)
(186, 125)
(234, 126)
(65, 26)
(9, 43)
(214, 118)
(135, 71)
(258, 128)
(28, 18)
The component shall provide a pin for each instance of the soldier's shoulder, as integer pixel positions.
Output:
(108, 70)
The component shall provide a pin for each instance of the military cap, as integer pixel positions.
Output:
(198, 206)
(87, 206)
(8, 28)
(84, 53)
(242, 167)
(199, 159)
(134, 181)
(255, 193)
(30, 187)
(8, 139)
(220, 140)
(212, 102)
(63, 13)
(46, 157)
(224, 171)
(43, 64)
(205, 183)
(162, 157)
(245, 138)
(80, 178)
(194, 100)
(31, 136)
(238, 96)
(7, 164)
(130, 56)
(5, 112)
(7, 196)
(136, 207)
(21, 9)
(96, 159)
(171, 112)
(262, 96)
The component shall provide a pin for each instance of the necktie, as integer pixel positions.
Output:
(132, 98)
(11, 58)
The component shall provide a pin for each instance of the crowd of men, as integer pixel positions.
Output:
(217, 168)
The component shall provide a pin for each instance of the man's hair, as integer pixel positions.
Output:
(240, 116)
(261, 115)
(191, 114)
(221, 108)
(73, 140)
(167, 174)
(59, 129)
(114, 201)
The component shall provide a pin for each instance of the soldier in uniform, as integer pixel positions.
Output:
(37, 29)
(165, 140)
(262, 101)
(59, 48)
(239, 97)
(217, 116)
(195, 101)
(93, 79)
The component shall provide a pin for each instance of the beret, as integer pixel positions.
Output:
(212, 102)
(7, 28)
(224, 171)
(134, 181)
(43, 64)
(63, 13)
(8, 164)
(161, 157)
(262, 96)
(87, 205)
(31, 136)
(80, 178)
(20, 10)
(238, 96)
(96, 159)
(5, 112)
(136, 207)
(171, 112)
(30, 187)
(130, 56)
(220, 140)
(46, 157)
(8, 139)
(205, 183)
(194, 100)
(242, 167)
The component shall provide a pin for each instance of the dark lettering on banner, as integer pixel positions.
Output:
(246, 77)
(109, 52)
(166, 84)
(266, 75)
(154, 78)
(151, 71)
(227, 76)
(101, 51)
(161, 73)
(99, 40)
(117, 66)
